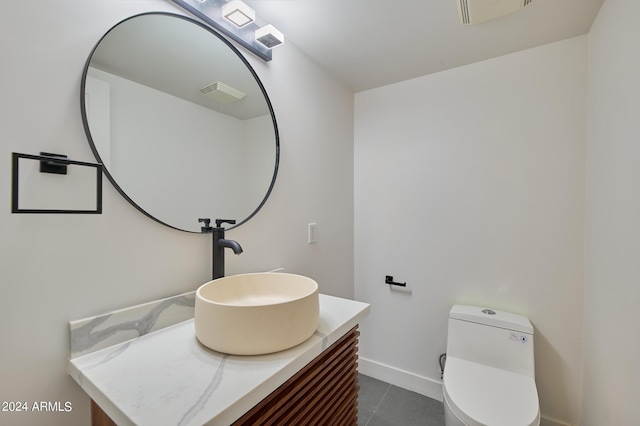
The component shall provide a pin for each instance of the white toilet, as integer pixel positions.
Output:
(489, 375)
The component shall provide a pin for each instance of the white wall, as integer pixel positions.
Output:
(256, 148)
(469, 186)
(154, 160)
(55, 268)
(612, 221)
(142, 146)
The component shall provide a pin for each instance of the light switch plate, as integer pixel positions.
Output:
(312, 231)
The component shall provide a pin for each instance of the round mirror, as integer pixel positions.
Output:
(180, 120)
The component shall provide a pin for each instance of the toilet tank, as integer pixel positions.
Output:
(490, 337)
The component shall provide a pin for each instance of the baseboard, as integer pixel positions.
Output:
(401, 378)
(550, 421)
(420, 384)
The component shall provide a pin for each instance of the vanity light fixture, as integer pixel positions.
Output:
(269, 36)
(237, 21)
(238, 13)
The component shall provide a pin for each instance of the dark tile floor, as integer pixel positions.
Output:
(380, 404)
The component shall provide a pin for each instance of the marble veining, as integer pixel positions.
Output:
(168, 377)
(199, 405)
(111, 354)
(91, 334)
(323, 337)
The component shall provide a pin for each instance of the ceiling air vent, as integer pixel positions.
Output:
(476, 11)
(222, 92)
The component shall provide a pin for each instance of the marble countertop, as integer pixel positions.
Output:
(167, 377)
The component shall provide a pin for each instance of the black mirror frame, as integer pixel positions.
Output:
(87, 131)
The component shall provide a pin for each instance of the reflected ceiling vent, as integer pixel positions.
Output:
(222, 92)
(477, 11)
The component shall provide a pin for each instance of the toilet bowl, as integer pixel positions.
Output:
(489, 375)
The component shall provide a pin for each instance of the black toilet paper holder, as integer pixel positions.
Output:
(389, 280)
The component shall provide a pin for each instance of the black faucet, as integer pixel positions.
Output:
(219, 244)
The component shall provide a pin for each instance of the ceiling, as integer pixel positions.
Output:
(373, 43)
(178, 58)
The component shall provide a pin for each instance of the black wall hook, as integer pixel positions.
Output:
(53, 166)
(389, 280)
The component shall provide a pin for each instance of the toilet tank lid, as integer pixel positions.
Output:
(500, 319)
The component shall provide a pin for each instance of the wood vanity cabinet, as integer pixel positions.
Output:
(324, 392)
(99, 417)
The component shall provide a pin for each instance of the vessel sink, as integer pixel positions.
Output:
(255, 314)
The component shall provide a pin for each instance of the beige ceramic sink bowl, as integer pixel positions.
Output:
(254, 314)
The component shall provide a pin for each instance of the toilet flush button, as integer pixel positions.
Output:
(522, 338)
(488, 312)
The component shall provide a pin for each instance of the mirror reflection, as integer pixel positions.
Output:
(180, 120)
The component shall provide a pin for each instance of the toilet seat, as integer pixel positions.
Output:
(480, 395)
